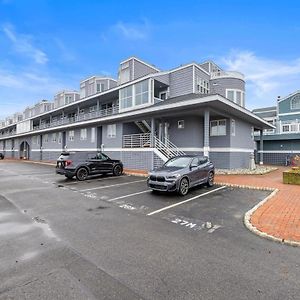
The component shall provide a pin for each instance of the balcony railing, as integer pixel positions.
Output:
(142, 140)
(283, 127)
(81, 117)
(227, 74)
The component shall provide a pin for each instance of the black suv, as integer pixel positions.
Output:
(1, 155)
(83, 164)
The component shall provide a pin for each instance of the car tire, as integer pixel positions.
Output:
(82, 174)
(117, 170)
(183, 187)
(210, 179)
(69, 176)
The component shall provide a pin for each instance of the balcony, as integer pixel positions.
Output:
(282, 127)
(81, 117)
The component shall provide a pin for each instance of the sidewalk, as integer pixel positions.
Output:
(280, 215)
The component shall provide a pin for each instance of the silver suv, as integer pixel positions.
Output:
(180, 173)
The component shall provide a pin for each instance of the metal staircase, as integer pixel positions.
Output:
(166, 149)
(143, 126)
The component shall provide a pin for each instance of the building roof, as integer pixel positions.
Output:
(264, 109)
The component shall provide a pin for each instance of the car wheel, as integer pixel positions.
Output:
(183, 187)
(82, 174)
(210, 179)
(69, 176)
(117, 171)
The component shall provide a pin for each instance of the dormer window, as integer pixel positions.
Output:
(202, 86)
(295, 102)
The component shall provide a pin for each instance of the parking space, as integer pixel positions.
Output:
(202, 209)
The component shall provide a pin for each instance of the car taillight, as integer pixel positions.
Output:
(69, 162)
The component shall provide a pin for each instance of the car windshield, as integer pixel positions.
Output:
(179, 162)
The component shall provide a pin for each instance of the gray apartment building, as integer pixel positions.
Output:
(282, 142)
(143, 117)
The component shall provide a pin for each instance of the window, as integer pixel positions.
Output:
(180, 124)
(236, 96)
(285, 128)
(111, 131)
(46, 138)
(83, 134)
(295, 102)
(59, 137)
(202, 85)
(126, 99)
(71, 135)
(218, 127)
(54, 137)
(232, 127)
(141, 93)
(100, 87)
(93, 135)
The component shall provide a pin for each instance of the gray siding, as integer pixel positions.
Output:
(165, 78)
(190, 136)
(77, 143)
(219, 86)
(242, 138)
(181, 82)
(140, 69)
(230, 160)
(112, 142)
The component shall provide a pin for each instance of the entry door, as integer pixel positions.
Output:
(64, 140)
(13, 148)
(99, 137)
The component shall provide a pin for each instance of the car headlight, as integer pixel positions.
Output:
(174, 176)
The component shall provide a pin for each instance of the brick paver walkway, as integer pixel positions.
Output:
(279, 216)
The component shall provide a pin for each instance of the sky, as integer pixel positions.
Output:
(50, 45)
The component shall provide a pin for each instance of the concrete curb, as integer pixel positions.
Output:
(248, 214)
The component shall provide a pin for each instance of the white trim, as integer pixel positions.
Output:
(97, 77)
(290, 113)
(227, 149)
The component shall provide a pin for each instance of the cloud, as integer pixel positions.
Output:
(65, 53)
(129, 31)
(265, 78)
(24, 44)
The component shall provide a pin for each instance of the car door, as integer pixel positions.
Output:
(195, 172)
(92, 163)
(104, 164)
(203, 168)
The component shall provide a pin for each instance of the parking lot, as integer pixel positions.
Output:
(112, 237)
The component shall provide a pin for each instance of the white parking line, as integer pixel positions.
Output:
(130, 195)
(185, 201)
(90, 180)
(113, 185)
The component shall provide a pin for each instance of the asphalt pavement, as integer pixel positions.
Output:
(112, 238)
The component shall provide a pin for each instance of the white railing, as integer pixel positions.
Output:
(227, 74)
(167, 148)
(282, 127)
(144, 140)
(137, 140)
(82, 117)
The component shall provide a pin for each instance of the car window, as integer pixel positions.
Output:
(203, 161)
(195, 162)
(180, 162)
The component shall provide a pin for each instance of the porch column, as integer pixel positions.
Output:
(98, 105)
(261, 147)
(152, 132)
(206, 134)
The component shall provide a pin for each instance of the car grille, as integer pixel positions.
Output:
(158, 187)
(157, 178)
